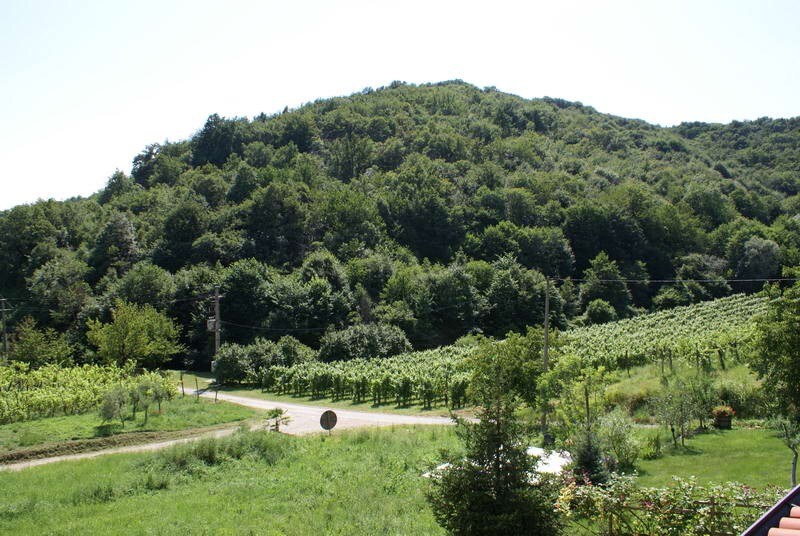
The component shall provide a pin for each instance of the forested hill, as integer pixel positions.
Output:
(433, 208)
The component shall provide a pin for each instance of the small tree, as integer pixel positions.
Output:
(777, 357)
(675, 408)
(137, 333)
(790, 433)
(277, 417)
(494, 489)
(113, 404)
(145, 391)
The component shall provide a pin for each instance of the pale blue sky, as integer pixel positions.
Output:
(84, 86)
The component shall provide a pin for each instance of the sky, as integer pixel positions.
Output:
(86, 85)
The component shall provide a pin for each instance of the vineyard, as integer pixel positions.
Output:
(53, 390)
(714, 330)
(427, 378)
(720, 329)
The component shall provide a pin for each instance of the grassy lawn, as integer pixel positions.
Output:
(753, 457)
(178, 414)
(204, 379)
(356, 482)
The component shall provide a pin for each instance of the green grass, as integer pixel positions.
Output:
(754, 457)
(178, 414)
(354, 482)
(357, 482)
(204, 379)
(633, 389)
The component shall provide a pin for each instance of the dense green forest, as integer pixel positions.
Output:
(429, 211)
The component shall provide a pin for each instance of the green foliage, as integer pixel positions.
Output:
(494, 488)
(778, 343)
(144, 284)
(249, 364)
(599, 312)
(588, 464)
(52, 390)
(116, 246)
(277, 417)
(674, 409)
(113, 404)
(617, 435)
(37, 347)
(725, 326)
(187, 457)
(602, 282)
(428, 377)
(626, 509)
(409, 187)
(137, 333)
(363, 341)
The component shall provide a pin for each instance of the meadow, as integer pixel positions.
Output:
(357, 482)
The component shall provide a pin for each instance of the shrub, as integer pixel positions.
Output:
(653, 446)
(616, 435)
(363, 341)
(39, 347)
(248, 364)
(113, 404)
(230, 365)
(599, 312)
(588, 463)
(723, 411)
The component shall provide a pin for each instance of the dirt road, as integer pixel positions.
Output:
(304, 420)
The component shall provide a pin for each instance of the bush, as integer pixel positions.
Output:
(746, 399)
(616, 435)
(495, 490)
(599, 312)
(248, 364)
(231, 364)
(588, 463)
(113, 404)
(39, 347)
(653, 447)
(363, 341)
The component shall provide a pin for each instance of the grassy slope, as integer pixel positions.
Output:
(177, 414)
(355, 482)
(361, 482)
(643, 383)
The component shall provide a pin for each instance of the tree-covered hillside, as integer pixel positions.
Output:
(438, 209)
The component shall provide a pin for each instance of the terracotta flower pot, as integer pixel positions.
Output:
(723, 422)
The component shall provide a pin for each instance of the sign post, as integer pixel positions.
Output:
(328, 420)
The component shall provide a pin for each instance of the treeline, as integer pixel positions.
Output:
(438, 209)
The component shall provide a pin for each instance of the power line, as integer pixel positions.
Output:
(647, 281)
(259, 328)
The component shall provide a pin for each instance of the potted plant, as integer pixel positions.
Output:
(722, 417)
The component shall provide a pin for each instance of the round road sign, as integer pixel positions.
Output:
(327, 420)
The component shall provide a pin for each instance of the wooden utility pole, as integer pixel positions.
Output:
(545, 360)
(3, 309)
(217, 320)
(546, 324)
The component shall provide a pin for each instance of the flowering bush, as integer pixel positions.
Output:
(722, 411)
